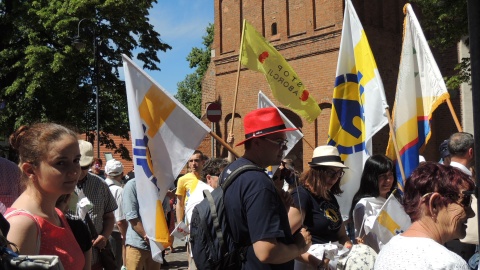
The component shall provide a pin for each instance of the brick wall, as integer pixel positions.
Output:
(127, 165)
(308, 37)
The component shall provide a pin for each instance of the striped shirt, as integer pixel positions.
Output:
(97, 191)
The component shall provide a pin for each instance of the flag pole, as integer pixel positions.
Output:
(238, 78)
(222, 142)
(395, 145)
(305, 140)
(454, 115)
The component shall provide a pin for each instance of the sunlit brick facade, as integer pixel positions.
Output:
(308, 36)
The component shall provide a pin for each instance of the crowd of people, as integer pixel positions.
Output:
(66, 203)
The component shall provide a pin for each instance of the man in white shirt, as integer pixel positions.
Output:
(461, 149)
(460, 146)
(114, 174)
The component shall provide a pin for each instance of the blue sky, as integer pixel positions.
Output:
(181, 24)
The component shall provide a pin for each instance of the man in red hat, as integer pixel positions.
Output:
(254, 210)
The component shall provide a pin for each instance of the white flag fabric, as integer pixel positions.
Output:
(164, 136)
(420, 90)
(294, 136)
(358, 105)
(390, 220)
(195, 198)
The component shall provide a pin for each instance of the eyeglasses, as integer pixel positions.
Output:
(334, 174)
(466, 197)
(280, 144)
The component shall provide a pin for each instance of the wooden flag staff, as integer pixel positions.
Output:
(226, 145)
(238, 78)
(395, 145)
(454, 115)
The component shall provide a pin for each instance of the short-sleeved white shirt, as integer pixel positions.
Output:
(117, 192)
(417, 253)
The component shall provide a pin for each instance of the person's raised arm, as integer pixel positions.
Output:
(230, 140)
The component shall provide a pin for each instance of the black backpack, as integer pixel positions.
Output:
(211, 248)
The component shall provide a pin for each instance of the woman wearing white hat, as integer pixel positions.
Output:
(315, 205)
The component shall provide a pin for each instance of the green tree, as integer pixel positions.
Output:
(43, 77)
(447, 23)
(189, 91)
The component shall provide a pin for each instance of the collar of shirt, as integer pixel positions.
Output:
(112, 182)
(462, 167)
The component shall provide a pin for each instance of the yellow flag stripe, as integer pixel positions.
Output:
(162, 234)
(154, 109)
(386, 221)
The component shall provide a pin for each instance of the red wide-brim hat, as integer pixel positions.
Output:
(261, 122)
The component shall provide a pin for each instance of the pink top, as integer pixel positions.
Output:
(56, 240)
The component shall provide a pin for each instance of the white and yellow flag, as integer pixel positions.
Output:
(164, 135)
(294, 136)
(390, 220)
(358, 104)
(420, 90)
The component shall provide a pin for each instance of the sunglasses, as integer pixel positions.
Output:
(466, 197)
(280, 144)
(334, 174)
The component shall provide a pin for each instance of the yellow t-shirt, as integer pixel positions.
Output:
(186, 185)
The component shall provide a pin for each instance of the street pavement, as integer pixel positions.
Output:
(178, 258)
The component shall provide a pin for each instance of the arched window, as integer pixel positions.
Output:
(274, 29)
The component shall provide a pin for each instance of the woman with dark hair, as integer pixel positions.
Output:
(377, 183)
(438, 200)
(315, 205)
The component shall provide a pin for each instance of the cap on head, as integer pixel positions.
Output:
(326, 155)
(444, 149)
(261, 122)
(113, 167)
(86, 150)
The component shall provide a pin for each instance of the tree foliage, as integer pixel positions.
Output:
(189, 91)
(447, 23)
(43, 77)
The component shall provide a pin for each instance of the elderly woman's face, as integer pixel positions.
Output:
(454, 217)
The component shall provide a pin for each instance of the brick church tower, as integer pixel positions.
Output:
(307, 33)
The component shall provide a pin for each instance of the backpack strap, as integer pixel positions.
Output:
(228, 181)
(214, 215)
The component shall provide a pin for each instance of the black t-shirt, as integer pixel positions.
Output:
(255, 212)
(80, 231)
(322, 217)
